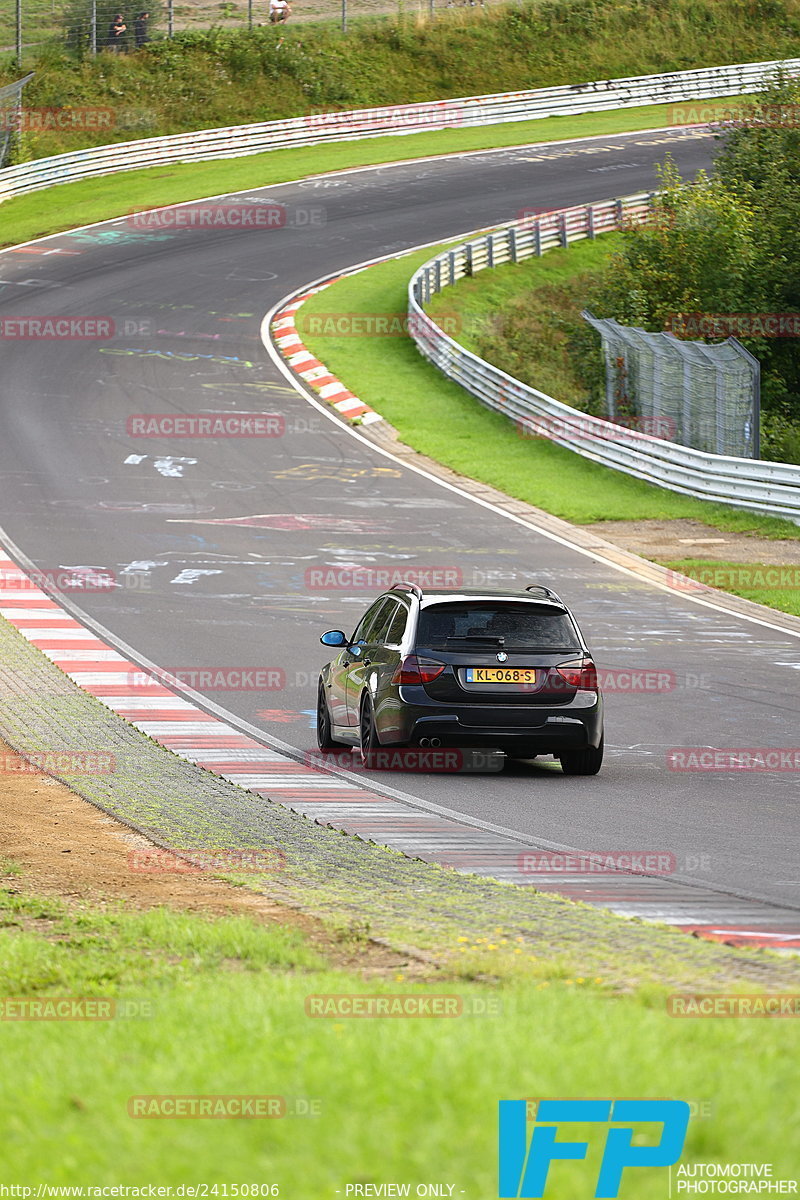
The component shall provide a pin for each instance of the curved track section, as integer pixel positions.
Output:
(213, 542)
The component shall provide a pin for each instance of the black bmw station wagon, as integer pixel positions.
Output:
(499, 670)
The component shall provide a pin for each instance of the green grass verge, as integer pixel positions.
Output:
(72, 204)
(222, 1009)
(478, 297)
(776, 586)
(440, 419)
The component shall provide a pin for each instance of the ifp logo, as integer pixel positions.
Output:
(524, 1167)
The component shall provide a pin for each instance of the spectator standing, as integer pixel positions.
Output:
(116, 32)
(140, 33)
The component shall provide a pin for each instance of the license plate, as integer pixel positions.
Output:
(513, 675)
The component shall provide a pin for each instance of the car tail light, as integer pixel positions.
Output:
(580, 674)
(415, 670)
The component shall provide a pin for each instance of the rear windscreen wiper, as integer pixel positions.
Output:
(476, 637)
(544, 649)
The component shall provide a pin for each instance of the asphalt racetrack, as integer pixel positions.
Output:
(213, 541)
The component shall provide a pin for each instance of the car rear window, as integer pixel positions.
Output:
(522, 626)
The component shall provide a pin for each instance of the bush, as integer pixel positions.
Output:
(780, 437)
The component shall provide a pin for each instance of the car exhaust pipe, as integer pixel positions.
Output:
(424, 741)
(436, 742)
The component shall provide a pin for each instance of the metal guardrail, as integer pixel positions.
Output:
(759, 486)
(10, 103)
(10, 91)
(316, 129)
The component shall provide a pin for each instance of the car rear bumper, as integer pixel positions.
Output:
(539, 730)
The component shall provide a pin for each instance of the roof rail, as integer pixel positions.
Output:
(412, 587)
(539, 587)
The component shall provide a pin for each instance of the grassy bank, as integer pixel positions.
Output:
(440, 419)
(218, 1008)
(523, 317)
(217, 77)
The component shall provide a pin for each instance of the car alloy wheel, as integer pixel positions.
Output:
(369, 733)
(324, 735)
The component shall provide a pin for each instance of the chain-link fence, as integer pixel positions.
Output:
(10, 105)
(90, 25)
(699, 395)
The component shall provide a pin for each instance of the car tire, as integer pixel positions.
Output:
(582, 762)
(368, 740)
(325, 740)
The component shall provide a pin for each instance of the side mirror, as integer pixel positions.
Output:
(334, 637)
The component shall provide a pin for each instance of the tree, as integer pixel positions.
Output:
(760, 163)
(727, 243)
(695, 255)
